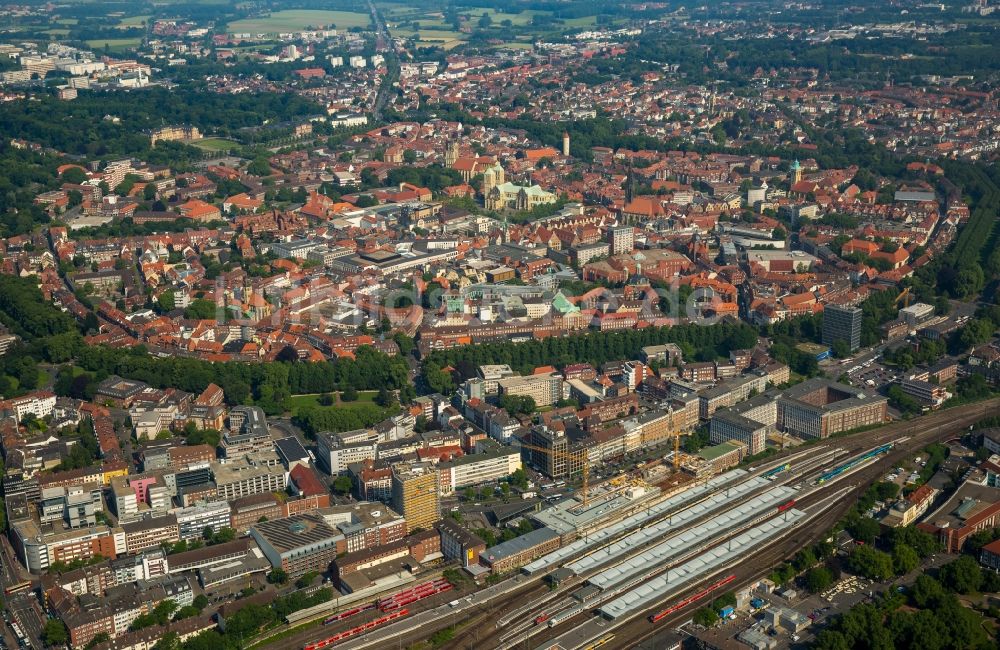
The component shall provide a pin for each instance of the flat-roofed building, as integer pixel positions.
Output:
(248, 432)
(193, 520)
(233, 481)
(491, 462)
(818, 408)
(546, 389)
(515, 553)
(366, 525)
(842, 324)
(728, 426)
(416, 493)
(298, 544)
(337, 451)
(457, 543)
(149, 533)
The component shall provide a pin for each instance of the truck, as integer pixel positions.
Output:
(453, 603)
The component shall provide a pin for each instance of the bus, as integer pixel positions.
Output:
(21, 586)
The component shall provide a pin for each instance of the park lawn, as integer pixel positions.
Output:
(214, 144)
(115, 44)
(297, 402)
(298, 19)
(582, 21)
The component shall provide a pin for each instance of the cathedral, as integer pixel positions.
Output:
(501, 194)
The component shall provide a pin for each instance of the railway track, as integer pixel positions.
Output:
(917, 434)
(477, 628)
(639, 629)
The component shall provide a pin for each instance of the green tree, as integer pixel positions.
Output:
(200, 309)
(342, 484)
(705, 617)
(865, 529)
(962, 575)
(818, 579)
(926, 592)
(904, 559)
(55, 633)
(870, 562)
(259, 167)
(306, 579)
(74, 176)
(277, 576)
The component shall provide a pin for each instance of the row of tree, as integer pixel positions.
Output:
(595, 348)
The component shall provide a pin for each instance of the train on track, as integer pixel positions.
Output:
(772, 474)
(659, 616)
(349, 613)
(852, 463)
(354, 631)
(413, 594)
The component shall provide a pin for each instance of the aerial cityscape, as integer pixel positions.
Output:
(543, 324)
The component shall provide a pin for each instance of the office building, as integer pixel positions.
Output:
(233, 481)
(459, 544)
(842, 324)
(298, 544)
(621, 239)
(416, 494)
(248, 432)
(546, 390)
(492, 463)
(192, 521)
(818, 408)
(337, 451)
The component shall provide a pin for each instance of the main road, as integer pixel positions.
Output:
(391, 63)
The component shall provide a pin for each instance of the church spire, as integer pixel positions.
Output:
(629, 184)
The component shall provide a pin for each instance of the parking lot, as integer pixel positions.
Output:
(871, 375)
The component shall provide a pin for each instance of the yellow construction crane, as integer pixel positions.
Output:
(575, 457)
(904, 296)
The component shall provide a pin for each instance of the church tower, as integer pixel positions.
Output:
(629, 184)
(796, 174)
(565, 150)
(451, 154)
(492, 177)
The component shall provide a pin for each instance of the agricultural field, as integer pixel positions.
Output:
(114, 44)
(430, 26)
(299, 19)
(134, 21)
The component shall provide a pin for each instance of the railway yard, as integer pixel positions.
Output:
(642, 572)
